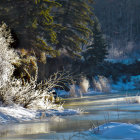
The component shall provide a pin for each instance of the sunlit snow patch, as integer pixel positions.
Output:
(20, 114)
(115, 130)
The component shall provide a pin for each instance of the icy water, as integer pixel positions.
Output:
(97, 109)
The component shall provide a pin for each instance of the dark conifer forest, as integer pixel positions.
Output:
(85, 37)
(76, 35)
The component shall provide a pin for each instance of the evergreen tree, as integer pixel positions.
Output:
(48, 26)
(97, 51)
(32, 22)
(75, 17)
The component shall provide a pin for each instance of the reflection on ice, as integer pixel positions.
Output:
(29, 128)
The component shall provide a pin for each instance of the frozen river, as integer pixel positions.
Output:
(97, 109)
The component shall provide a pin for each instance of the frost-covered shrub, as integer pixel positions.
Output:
(101, 83)
(72, 90)
(26, 67)
(7, 55)
(32, 95)
(29, 94)
(79, 90)
(75, 91)
(84, 85)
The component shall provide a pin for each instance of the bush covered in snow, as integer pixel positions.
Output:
(84, 85)
(32, 94)
(29, 94)
(73, 90)
(79, 90)
(7, 55)
(101, 83)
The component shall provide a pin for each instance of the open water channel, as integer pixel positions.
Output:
(97, 109)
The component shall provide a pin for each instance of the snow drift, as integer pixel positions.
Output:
(114, 130)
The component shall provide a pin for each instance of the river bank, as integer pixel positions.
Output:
(97, 110)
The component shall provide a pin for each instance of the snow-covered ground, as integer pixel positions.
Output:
(133, 83)
(123, 61)
(16, 113)
(122, 131)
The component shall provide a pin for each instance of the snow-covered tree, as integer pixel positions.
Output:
(31, 94)
(7, 55)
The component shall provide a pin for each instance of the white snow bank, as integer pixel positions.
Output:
(114, 130)
(19, 114)
(16, 114)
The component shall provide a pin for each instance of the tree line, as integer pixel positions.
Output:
(120, 22)
(52, 28)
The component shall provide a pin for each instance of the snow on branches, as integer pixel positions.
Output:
(34, 95)
(31, 94)
(7, 55)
